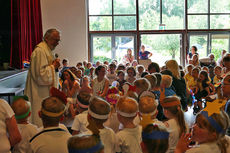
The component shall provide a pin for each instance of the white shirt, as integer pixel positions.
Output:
(51, 142)
(111, 77)
(108, 138)
(5, 113)
(129, 140)
(80, 122)
(27, 131)
(211, 147)
(174, 134)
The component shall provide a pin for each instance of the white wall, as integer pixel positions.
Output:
(69, 16)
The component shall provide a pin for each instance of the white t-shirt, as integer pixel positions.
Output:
(51, 142)
(27, 131)
(80, 122)
(108, 138)
(113, 122)
(205, 148)
(129, 140)
(5, 113)
(111, 77)
(174, 135)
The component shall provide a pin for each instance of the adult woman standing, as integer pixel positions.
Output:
(128, 58)
(192, 52)
(100, 84)
(178, 83)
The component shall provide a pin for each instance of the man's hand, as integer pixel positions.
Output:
(56, 63)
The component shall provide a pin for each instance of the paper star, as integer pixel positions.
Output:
(146, 120)
(214, 107)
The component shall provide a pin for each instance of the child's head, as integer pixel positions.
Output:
(121, 75)
(100, 71)
(205, 68)
(67, 75)
(79, 73)
(83, 101)
(153, 67)
(140, 69)
(152, 79)
(98, 110)
(226, 61)
(52, 111)
(112, 67)
(85, 143)
(195, 72)
(203, 76)
(148, 105)
(211, 128)
(155, 139)
(85, 63)
(142, 84)
(21, 108)
(85, 80)
(189, 69)
(127, 109)
(65, 62)
(131, 71)
(79, 64)
(218, 70)
(166, 81)
(134, 63)
(91, 70)
(82, 70)
(121, 67)
(98, 63)
(211, 56)
(89, 65)
(172, 109)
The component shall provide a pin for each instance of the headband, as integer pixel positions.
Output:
(214, 124)
(97, 116)
(151, 113)
(127, 114)
(82, 105)
(52, 114)
(170, 104)
(88, 150)
(155, 135)
(18, 117)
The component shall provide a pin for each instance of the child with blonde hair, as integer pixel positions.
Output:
(98, 113)
(85, 144)
(176, 123)
(209, 132)
(22, 109)
(85, 87)
(148, 110)
(166, 82)
(188, 76)
(142, 86)
(218, 72)
(129, 138)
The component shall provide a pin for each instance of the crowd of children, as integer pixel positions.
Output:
(114, 108)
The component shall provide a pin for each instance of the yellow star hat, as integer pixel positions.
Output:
(215, 106)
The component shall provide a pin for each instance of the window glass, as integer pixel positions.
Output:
(220, 6)
(220, 21)
(124, 6)
(197, 22)
(219, 42)
(100, 7)
(124, 22)
(198, 6)
(100, 23)
(200, 41)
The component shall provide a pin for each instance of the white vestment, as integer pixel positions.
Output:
(41, 77)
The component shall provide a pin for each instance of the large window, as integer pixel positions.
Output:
(167, 27)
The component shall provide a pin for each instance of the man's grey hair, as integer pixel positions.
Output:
(49, 32)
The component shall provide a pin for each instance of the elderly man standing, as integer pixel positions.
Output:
(42, 74)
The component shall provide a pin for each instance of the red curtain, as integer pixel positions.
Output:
(26, 30)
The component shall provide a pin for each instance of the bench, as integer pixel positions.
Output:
(10, 92)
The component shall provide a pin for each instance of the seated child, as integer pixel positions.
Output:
(140, 70)
(209, 132)
(166, 82)
(98, 113)
(22, 110)
(51, 139)
(80, 121)
(218, 72)
(85, 87)
(129, 138)
(148, 110)
(142, 85)
(176, 124)
(85, 144)
(188, 76)
(111, 73)
(155, 139)
(131, 75)
(121, 79)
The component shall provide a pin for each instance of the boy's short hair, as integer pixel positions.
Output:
(83, 98)
(142, 84)
(52, 110)
(166, 80)
(226, 58)
(152, 79)
(147, 104)
(64, 61)
(155, 66)
(158, 76)
(21, 108)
